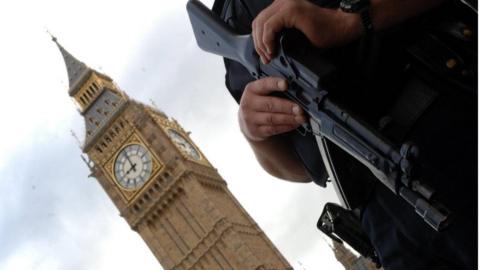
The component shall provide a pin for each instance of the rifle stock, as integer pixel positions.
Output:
(214, 36)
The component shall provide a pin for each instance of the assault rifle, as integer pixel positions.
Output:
(307, 72)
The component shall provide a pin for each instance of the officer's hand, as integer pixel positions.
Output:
(323, 27)
(261, 116)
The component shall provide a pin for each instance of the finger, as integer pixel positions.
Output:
(258, 43)
(257, 28)
(257, 40)
(274, 105)
(301, 119)
(266, 86)
(300, 113)
(270, 28)
(274, 119)
(268, 131)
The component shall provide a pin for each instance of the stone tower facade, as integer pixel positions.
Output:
(351, 261)
(162, 184)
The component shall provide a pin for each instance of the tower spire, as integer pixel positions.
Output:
(77, 70)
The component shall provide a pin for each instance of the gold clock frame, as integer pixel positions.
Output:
(164, 123)
(157, 166)
(202, 159)
(186, 139)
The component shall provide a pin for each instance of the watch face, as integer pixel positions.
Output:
(184, 145)
(133, 166)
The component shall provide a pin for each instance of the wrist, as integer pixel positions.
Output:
(337, 26)
(248, 135)
(350, 23)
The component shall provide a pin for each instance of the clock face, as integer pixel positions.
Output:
(183, 144)
(133, 166)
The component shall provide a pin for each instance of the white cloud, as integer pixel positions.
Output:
(27, 257)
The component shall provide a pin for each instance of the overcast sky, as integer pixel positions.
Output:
(52, 216)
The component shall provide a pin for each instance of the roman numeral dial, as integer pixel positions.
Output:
(133, 166)
(183, 144)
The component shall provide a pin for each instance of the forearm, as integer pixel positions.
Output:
(344, 27)
(276, 156)
(385, 14)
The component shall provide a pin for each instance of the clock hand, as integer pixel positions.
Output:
(184, 145)
(129, 161)
(131, 168)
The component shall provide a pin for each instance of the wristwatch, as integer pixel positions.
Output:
(363, 8)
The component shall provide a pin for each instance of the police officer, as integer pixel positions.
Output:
(400, 238)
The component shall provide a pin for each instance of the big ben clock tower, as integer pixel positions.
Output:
(161, 183)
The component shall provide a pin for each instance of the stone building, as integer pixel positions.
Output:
(162, 184)
(351, 261)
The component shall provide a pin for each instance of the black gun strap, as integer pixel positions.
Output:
(327, 161)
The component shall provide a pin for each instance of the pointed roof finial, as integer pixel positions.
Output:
(54, 39)
(154, 105)
(74, 135)
(77, 70)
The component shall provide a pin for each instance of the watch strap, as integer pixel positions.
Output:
(367, 20)
(362, 7)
